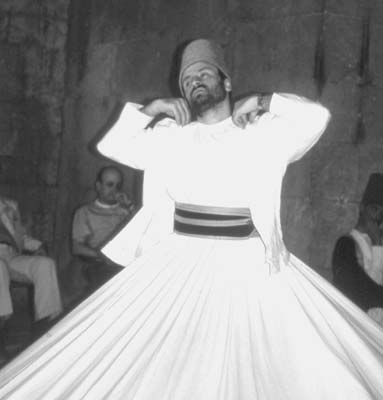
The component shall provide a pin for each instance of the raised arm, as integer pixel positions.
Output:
(294, 123)
(128, 142)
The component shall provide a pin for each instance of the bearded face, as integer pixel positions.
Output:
(204, 98)
(203, 88)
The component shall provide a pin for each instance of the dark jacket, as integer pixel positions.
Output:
(351, 279)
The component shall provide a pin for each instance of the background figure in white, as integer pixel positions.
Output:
(211, 305)
(31, 267)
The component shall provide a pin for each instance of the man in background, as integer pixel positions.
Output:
(358, 257)
(22, 259)
(96, 222)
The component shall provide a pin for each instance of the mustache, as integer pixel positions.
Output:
(198, 87)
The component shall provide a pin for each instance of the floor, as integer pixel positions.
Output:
(19, 332)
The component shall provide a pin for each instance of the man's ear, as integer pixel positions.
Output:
(227, 84)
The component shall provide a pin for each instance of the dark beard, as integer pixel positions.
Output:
(207, 100)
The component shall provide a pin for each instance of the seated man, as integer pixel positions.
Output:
(358, 257)
(96, 222)
(34, 268)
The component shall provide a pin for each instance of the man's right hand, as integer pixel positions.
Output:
(84, 250)
(176, 108)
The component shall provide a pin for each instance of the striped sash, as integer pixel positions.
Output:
(224, 222)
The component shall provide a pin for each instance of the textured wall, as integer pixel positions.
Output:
(351, 148)
(32, 66)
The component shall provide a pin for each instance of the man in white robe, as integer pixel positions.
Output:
(14, 265)
(196, 313)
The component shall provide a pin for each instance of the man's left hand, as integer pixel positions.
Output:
(124, 201)
(246, 110)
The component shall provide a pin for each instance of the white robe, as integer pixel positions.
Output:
(194, 318)
(39, 270)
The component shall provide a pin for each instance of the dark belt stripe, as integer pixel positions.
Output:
(218, 231)
(207, 216)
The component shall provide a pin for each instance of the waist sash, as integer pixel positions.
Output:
(217, 222)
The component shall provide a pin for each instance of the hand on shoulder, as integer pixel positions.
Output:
(176, 108)
(246, 109)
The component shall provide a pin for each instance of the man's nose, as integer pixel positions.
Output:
(196, 81)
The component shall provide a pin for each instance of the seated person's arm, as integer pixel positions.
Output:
(30, 245)
(125, 202)
(33, 246)
(88, 253)
(82, 249)
(81, 234)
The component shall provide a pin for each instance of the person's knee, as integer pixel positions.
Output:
(45, 265)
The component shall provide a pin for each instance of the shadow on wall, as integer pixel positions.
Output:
(29, 167)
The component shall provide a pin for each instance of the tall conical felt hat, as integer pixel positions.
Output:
(373, 193)
(202, 50)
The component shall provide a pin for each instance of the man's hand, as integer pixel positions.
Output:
(82, 249)
(124, 201)
(32, 245)
(176, 108)
(122, 198)
(246, 110)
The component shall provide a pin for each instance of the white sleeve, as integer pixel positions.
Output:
(297, 124)
(129, 143)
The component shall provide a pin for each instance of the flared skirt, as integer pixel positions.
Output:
(203, 319)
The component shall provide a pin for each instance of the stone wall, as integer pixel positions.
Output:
(350, 149)
(32, 68)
